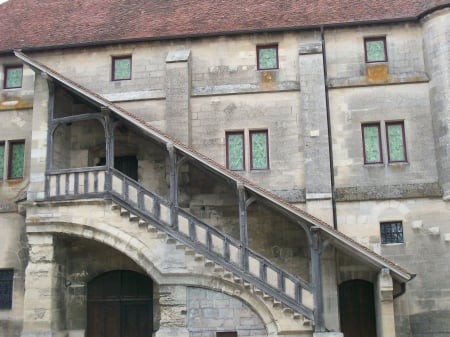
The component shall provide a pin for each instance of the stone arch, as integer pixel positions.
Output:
(139, 253)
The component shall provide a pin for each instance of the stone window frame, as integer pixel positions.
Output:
(380, 149)
(374, 39)
(6, 70)
(391, 232)
(113, 67)
(388, 142)
(6, 288)
(10, 151)
(263, 47)
(252, 158)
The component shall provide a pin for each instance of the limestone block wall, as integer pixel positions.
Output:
(436, 31)
(350, 108)
(424, 308)
(345, 51)
(13, 255)
(209, 312)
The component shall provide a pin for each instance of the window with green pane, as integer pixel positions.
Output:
(267, 57)
(235, 151)
(2, 159)
(395, 134)
(13, 77)
(375, 48)
(371, 143)
(259, 150)
(16, 159)
(121, 68)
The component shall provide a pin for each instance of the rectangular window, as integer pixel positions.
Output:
(2, 159)
(391, 232)
(13, 77)
(16, 159)
(235, 151)
(372, 143)
(375, 49)
(395, 135)
(6, 287)
(259, 150)
(267, 57)
(226, 334)
(121, 68)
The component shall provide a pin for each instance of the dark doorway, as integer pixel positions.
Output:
(119, 304)
(128, 165)
(357, 309)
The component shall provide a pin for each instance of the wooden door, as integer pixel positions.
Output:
(357, 309)
(119, 304)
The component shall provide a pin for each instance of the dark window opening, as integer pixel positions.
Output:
(6, 287)
(391, 232)
(226, 334)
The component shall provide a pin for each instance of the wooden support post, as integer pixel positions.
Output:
(316, 250)
(243, 224)
(173, 192)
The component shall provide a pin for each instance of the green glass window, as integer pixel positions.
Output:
(371, 141)
(375, 49)
(13, 77)
(121, 68)
(235, 151)
(16, 159)
(259, 150)
(267, 57)
(396, 142)
(2, 159)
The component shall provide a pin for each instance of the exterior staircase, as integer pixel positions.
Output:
(217, 252)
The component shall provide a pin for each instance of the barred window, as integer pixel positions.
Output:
(6, 287)
(391, 232)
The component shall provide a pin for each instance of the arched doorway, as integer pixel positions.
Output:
(119, 304)
(357, 309)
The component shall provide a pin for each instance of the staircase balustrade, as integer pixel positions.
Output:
(220, 248)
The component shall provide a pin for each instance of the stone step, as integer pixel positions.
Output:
(124, 211)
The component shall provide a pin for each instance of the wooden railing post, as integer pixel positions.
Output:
(173, 188)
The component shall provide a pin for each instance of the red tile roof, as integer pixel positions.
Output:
(37, 24)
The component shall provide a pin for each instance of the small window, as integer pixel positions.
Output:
(259, 150)
(2, 159)
(6, 287)
(267, 57)
(226, 334)
(13, 77)
(375, 49)
(121, 68)
(235, 151)
(391, 232)
(372, 143)
(395, 135)
(16, 159)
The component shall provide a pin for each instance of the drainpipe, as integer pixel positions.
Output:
(330, 142)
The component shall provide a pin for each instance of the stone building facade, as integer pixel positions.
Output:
(224, 169)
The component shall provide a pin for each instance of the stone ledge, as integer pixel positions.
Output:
(391, 79)
(405, 191)
(245, 88)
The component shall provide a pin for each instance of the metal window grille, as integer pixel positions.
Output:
(6, 287)
(391, 232)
